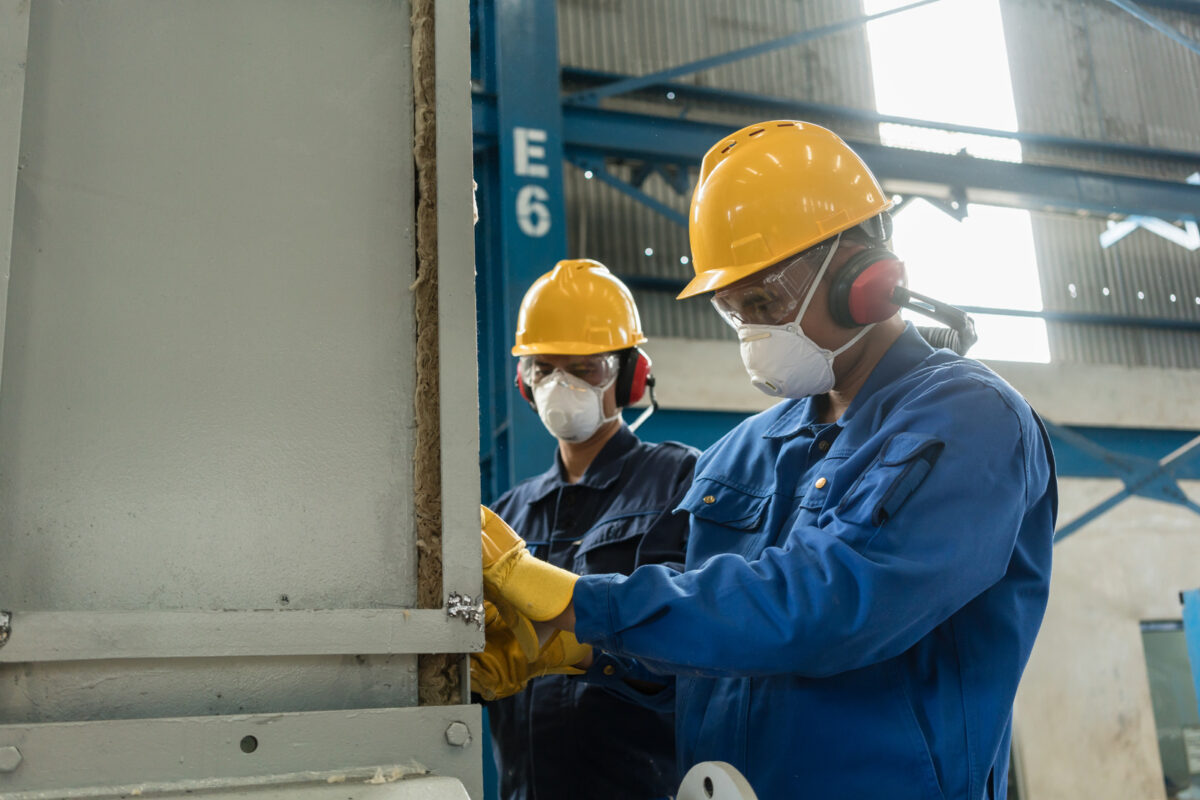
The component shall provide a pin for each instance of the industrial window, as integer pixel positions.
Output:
(988, 259)
(1176, 715)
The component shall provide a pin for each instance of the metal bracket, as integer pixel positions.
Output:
(467, 608)
(1143, 477)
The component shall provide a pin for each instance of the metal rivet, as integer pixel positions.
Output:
(820, 484)
(10, 758)
(610, 670)
(709, 499)
(458, 734)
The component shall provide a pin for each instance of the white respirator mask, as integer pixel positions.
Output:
(782, 361)
(571, 408)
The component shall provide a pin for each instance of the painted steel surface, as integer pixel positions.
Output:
(205, 422)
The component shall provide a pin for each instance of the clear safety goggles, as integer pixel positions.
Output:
(597, 370)
(774, 295)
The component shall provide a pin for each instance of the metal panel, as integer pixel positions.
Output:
(208, 398)
(139, 757)
(59, 691)
(76, 635)
(14, 43)
(456, 302)
(209, 389)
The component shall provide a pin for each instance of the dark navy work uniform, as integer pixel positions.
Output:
(562, 737)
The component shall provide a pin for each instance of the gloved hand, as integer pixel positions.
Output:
(534, 588)
(518, 624)
(502, 670)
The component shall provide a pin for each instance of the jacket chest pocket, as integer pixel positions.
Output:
(611, 545)
(726, 518)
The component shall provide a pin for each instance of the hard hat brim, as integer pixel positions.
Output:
(709, 280)
(574, 348)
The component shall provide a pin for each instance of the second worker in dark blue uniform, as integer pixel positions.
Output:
(604, 506)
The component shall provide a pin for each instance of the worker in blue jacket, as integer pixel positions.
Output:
(603, 507)
(869, 559)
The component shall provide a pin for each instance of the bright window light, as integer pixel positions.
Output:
(988, 259)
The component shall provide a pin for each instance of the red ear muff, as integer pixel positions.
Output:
(633, 375)
(523, 388)
(863, 289)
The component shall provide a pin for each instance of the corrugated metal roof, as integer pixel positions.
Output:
(1091, 70)
(1084, 69)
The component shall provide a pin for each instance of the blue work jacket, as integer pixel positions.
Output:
(860, 597)
(561, 737)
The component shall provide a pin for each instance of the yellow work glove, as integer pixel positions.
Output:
(502, 670)
(534, 588)
(519, 625)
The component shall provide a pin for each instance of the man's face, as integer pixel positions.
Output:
(775, 295)
(598, 370)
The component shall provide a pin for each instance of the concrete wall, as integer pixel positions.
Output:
(1084, 721)
(1084, 725)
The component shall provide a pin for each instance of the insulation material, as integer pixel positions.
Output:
(438, 674)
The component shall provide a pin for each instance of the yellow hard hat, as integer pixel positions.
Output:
(770, 191)
(576, 309)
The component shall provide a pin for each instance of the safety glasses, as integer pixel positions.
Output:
(774, 295)
(598, 370)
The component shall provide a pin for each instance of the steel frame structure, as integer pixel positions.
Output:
(518, 86)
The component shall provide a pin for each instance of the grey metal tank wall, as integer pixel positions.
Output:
(206, 395)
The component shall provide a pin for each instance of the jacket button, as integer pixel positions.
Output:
(709, 499)
(820, 484)
(610, 670)
(823, 445)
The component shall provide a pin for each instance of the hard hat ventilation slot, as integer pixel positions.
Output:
(728, 147)
(758, 131)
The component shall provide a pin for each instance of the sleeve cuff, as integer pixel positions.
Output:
(593, 611)
(610, 672)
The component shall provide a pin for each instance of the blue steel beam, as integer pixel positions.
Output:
(1191, 630)
(599, 170)
(592, 96)
(620, 134)
(1155, 480)
(1157, 24)
(778, 107)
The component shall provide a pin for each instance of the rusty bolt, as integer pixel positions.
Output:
(458, 734)
(10, 759)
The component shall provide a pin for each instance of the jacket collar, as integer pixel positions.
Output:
(601, 473)
(904, 354)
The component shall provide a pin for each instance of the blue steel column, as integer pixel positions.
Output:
(1191, 629)
(530, 213)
